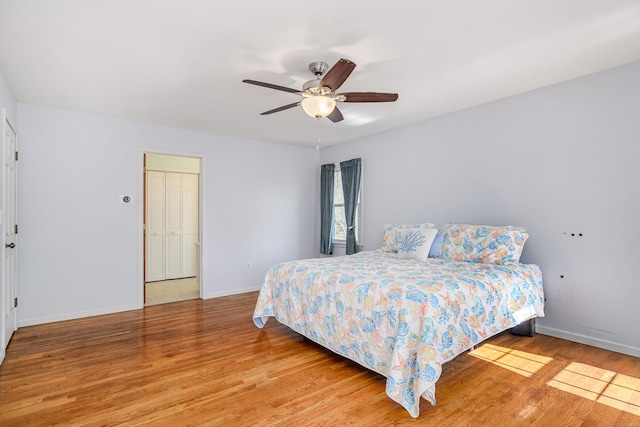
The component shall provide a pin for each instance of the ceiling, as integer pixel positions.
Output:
(181, 63)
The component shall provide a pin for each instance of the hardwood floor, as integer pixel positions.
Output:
(205, 363)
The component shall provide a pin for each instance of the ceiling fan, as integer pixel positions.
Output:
(319, 95)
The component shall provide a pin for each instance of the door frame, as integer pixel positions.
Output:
(201, 214)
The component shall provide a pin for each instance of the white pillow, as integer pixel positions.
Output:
(390, 240)
(415, 243)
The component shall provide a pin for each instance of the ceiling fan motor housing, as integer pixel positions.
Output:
(318, 68)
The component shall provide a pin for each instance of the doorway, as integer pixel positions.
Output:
(171, 228)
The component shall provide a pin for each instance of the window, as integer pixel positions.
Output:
(339, 221)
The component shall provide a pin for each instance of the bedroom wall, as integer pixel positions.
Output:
(80, 250)
(560, 160)
(7, 99)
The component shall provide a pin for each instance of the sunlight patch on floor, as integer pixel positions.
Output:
(607, 387)
(610, 388)
(517, 361)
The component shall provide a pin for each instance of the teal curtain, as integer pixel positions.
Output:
(326, 208)
(351, 170)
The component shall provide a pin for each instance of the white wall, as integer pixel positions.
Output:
(7, 99)
(80, 249)
(563, 159)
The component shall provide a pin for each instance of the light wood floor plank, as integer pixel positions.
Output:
(205, 363)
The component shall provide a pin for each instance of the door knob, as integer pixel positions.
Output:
(10, 245)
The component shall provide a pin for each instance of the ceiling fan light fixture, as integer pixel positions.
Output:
(318, 105)
(319, 96)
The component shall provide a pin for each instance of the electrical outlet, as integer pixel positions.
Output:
(248, 265)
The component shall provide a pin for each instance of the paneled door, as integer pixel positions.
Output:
(155, 226)
(190, 223)
(172, 225)
(9, 222)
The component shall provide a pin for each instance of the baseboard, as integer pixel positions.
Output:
(583, 339)
(78, 315)
(232, 292)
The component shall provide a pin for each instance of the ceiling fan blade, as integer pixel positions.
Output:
(369, 97)
(337, 74)
(335, 116)
(271, 86)
(284, 107)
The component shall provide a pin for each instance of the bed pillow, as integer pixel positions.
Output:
(483, 243)
(390, 240)
(415, 243)
(436, 247)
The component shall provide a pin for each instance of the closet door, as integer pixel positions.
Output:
(155, 223)
(174, 225)
(190, 223)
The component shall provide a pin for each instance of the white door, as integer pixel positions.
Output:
(155, 226)
(171, 225)
(174, 225)
(9, 221)
(190, 224)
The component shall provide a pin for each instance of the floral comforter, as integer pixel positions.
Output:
(399, 317)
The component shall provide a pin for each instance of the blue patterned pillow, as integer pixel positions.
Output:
(483, 243)
(415, 243)
(390, 240)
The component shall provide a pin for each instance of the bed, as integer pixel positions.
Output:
(403, 314)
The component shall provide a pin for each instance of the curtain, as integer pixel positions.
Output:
(350, 171)
(326, 208)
